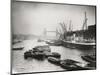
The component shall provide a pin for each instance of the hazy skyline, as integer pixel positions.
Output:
(33, 17)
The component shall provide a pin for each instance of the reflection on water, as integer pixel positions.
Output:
(20, 65)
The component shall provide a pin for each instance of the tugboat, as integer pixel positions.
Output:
(54, 42)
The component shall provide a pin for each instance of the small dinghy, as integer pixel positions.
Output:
(72, 65)
(69, 64)
(56, 55)
(17, 48)
(54, 60)
(89, 58)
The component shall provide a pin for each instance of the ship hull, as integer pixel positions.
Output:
(78, 45)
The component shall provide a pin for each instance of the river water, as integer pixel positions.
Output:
(21, 65)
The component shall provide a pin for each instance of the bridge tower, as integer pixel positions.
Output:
(48, 33)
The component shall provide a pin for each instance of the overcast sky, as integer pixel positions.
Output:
(32, 18)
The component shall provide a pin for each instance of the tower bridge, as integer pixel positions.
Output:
(50, 33)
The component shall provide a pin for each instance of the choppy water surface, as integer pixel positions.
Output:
(21, 65)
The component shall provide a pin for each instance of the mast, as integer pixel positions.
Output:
(85, 27)
(70, 26)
